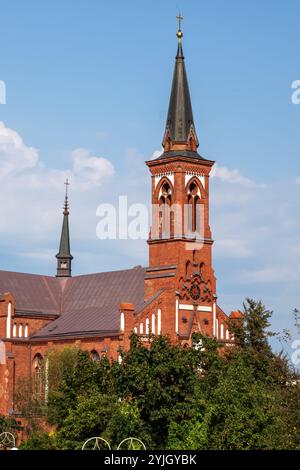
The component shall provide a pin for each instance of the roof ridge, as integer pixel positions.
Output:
(48, 276)
(21, 273)
(108, 272)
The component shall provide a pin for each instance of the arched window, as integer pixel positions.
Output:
(26, 330)
(153, 324)
(222, 331)
(120, 359)
(95, 356)
(15, 330)
(141, 328)
(37, 364)
(159, 321)
(165, 200)
(20, 330)
(122, 321)
(2, 353)
(217, 328)
(193, 215)
(227, 334)
(135, 330)
(8, 321)
(196, 214)
(147, 326)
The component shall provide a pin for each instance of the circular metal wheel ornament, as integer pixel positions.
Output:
(96, 443)
(7, 441)
(131, 443)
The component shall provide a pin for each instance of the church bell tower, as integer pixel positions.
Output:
(180, 241)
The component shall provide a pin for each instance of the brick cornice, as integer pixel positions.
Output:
(180, 164)
(208, 241)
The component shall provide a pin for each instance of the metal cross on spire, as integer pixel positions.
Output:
(66, 206)
(179, 32)
(180, 18)
(67, 184)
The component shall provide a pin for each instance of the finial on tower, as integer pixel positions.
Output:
(179, 33)
(66, 205)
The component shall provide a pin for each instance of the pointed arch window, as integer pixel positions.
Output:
(15, 330)
(193, 215)
(122, 321)
(166, 218)
(153, 324)
(159, 321)
(217, 328)
(20, 330)
(8, 320)
(38, 382)
(147, 326)
(141, 328)
(95, 356)
(222, 331)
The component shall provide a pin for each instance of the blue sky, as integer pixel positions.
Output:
(96, 76)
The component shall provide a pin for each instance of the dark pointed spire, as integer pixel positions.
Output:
(64, 257)
(180, 133)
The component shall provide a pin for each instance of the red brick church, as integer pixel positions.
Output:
(175, 295)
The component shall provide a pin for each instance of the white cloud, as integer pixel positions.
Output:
(89, 169)
(232, 248)
(274, 274)
(230, 176)
(21, 161)
(33, 193)
(43, 255)
(15, 156)
(156, 154)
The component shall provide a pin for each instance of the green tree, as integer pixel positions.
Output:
(89, 418)
(39, 440)
(162, 381)
(126, 422)
(249, 395)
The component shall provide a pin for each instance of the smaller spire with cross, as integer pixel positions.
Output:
(179, 33)
(64, 257)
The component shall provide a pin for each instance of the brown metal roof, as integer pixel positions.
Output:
(32, 292)
(87, 304)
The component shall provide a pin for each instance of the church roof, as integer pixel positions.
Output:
(32, 293)
(87, 305)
